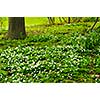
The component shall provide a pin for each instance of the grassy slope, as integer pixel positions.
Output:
(35, 20)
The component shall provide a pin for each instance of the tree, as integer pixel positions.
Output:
(68, 20)
(94, 23)
(76, 19)
(51, 20)
(62, 18)
(16, 28)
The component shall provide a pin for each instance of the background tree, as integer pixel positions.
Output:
(16, 28)
(68, 20)
(61, 19)
(51, 20)
(94, 23)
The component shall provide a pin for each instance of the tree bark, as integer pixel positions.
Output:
(51, 20)
(16, 28)
(64, 19)
(94, 24)
(60, 20)
(68, 20)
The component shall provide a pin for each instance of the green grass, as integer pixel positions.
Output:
(35, 21)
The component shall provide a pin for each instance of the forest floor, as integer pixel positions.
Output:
(57, 53)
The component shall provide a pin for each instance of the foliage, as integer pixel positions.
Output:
(89, 19)
(2, 23)
(52, 57)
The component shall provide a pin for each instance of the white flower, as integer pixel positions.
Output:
(37, 64)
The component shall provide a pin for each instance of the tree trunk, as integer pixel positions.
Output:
(64, 19)
(60, 20)
(16, 28)
(68, 20)
(51, 20)
(94, 24)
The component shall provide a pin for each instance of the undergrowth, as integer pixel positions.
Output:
(59, 54)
